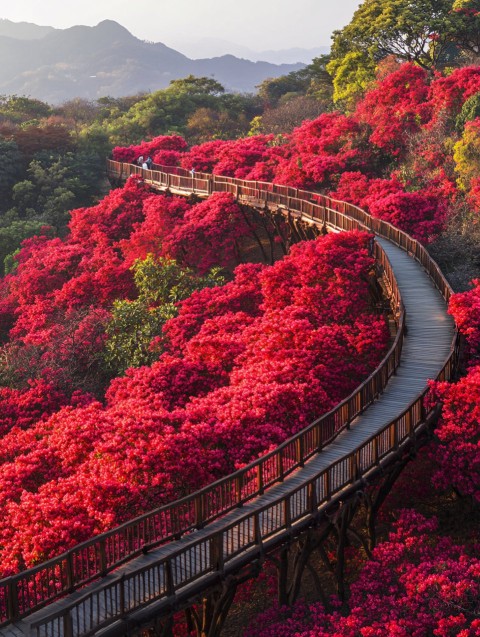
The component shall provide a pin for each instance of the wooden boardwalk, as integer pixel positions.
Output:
(177, 571)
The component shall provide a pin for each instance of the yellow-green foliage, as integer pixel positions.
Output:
(467, 155)
(351, 76)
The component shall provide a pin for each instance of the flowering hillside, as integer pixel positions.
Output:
(408, 153)
(143, 358)
(200, 375)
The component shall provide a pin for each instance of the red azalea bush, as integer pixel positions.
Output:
(209, 234)
(396, 106)
(145, 149)
(417, 583)
(451, 92)
(458, 432)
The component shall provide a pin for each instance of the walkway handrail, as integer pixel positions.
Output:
(27, 591)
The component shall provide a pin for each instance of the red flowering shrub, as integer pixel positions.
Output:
(396, 106)
(203, 157)
(458, 433)
(417, 583)
(451, 92)
(465, 309)
(419, 215)
(167, 157)
(209, 234)
(151, 148)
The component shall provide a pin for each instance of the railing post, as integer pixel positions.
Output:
(257, 531)
(199, 512)
(409, 427)
(287, 517)
(216, 552)
(238, 487)
(393, 436)
(69, 572)
(12, 600)
(169, 583)
(103, 557)
(311, 496)
(67, 625)
(121, 583)
(280, 466)
(300, 451)
(326, 485)
(260, 488)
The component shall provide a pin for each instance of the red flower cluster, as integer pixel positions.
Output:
(417, 584)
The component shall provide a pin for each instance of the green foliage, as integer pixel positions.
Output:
(11, 168)
(169, 111)
(54, 185)
(467, 155)
(467, 25)
(19, 109)
(352, 74)
(161, 283)
(11, 237)
(313, 80)
(192, 85)
(10, 264)
(427, 32)
(470, 111)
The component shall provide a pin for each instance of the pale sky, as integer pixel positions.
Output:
(256, 24)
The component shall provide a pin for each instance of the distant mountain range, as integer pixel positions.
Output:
(55, 65)
(212, 47)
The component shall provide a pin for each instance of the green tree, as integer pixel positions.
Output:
(12, 236)
(165, 111)
(313, 80)
(54, 185)
(289, 114)
(11, 170)
(467, 25)
(470, 111)
(420, 31)
(351, 76)
(161, 283)
(467, 155)
(19, 109)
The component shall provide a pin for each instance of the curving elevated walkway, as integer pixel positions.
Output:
(169, 576)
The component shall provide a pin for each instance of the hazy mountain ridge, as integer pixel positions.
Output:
(107, 59)
(216, 47)
(23, 30)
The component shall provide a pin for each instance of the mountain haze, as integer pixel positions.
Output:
(55, 65)
(214, 47)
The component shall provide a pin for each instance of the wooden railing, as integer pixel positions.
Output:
(30, 590)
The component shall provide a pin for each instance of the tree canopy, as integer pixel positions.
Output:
(430, 33)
